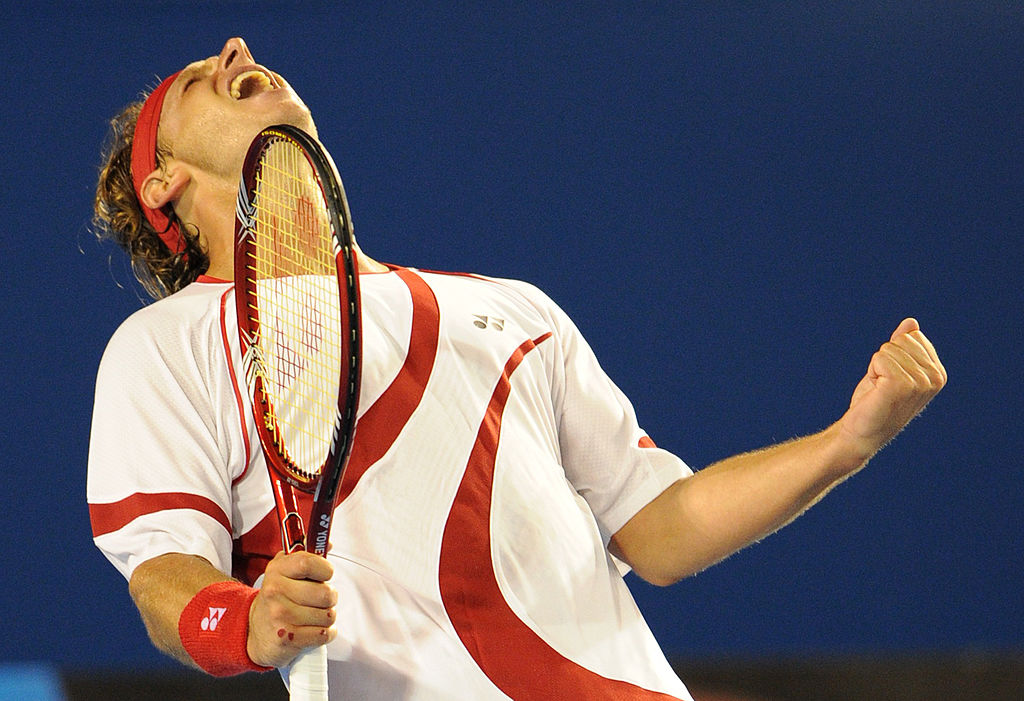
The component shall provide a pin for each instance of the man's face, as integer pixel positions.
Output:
(216, 107)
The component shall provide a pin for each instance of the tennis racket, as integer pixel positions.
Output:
(297, 298)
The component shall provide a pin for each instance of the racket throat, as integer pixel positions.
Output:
(293, 535)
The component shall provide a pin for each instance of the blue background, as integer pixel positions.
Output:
(736, 202)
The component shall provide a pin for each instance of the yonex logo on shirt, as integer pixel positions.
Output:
(482, 320)
(211, 621)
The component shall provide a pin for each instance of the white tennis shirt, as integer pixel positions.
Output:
(492, 462)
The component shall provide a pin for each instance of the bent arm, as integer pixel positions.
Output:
(702, 519)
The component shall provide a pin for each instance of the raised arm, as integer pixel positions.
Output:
(703, 519)
(293, 609)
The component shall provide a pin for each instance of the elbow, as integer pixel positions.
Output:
(659, 577)
(660, 581)
(140, 589)
(655, 565)
(653, 569)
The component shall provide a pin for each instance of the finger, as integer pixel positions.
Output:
(895, 363)
(916, 345)
(305, 636)
(304, 625)
(911, 343)
(312, 594)
(288, 595)
(302, 565)
(906, 326)
(932, 353)
(306, 616)
(282, 609)
(279, 589)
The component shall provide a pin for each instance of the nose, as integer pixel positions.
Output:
(233, 50)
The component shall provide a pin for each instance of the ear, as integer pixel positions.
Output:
(164, 186)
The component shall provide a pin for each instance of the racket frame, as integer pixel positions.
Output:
(286, 477)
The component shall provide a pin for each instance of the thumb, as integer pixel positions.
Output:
(906, 326)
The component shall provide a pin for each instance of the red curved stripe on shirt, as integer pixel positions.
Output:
(380, 425)
(512, 656)
(252, 551)
(234, 384)
(378, 428)
(107, 518)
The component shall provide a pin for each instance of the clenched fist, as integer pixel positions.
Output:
(901, 379)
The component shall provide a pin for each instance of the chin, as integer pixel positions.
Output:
(298, 118)
(293, 111)
(305, 124)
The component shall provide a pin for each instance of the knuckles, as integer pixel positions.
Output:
(276, 611)
(918, 375)
(300, 565)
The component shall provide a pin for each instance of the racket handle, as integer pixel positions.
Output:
(307, 679)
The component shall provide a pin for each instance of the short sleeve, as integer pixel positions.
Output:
(157, 477)
(607, 457)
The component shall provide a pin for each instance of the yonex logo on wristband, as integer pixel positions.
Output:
(210, 622)
(215, 641)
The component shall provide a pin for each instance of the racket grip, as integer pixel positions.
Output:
(307, 679)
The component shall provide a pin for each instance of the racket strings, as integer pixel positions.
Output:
(293, 264)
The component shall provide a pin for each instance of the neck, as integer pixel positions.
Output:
(203, 205)
(217, 232)
(367, 264)
(222, 260)
(224, 267)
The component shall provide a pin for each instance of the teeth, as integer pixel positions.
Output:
(248, 83)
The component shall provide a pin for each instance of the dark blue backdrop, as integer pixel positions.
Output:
(736, 203)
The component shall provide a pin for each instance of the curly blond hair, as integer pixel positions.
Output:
(117, 215)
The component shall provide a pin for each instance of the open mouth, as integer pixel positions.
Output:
(249, 83)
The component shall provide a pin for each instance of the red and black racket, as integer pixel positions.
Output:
(297, 297)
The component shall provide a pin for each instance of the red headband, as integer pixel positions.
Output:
(144, 163)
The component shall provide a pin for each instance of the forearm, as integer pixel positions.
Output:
(294, 609)
(161, 588)
(703, 519)
(700, 520)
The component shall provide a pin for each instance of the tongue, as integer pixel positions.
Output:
(248, 86)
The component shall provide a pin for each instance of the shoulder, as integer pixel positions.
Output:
(518, 298)
(540, 302)
(511, 289)
(188, 305)
(168, 322)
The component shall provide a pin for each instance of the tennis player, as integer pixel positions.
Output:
(499, 484)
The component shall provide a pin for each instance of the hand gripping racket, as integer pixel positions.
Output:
(297, 298)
